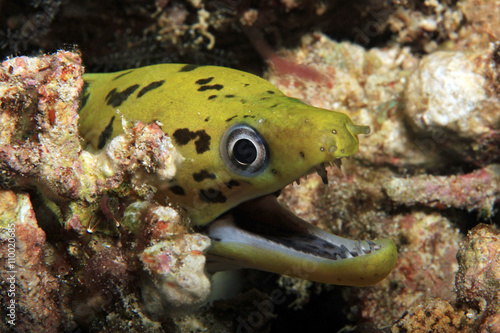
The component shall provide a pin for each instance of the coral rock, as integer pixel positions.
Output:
(477, 190)
(26, 280)
(448, 101)
(478, 279)
(435, 315)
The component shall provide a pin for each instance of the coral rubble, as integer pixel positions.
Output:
(34, 286)
(478, 279)
(78, 196)
(403, 182)
(95, 252)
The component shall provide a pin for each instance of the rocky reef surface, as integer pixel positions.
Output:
(93, 251)
(424, 176)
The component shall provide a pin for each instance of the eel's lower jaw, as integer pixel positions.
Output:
(264, 235)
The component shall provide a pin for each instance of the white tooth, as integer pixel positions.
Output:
(362, 247)
(359, 249)
(322, 173)
(346, 251)
(337, 162)
(373, 246)
(338, 257)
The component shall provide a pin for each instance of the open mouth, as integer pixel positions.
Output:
(262, 234)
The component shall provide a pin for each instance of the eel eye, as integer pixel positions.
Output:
(244, 150)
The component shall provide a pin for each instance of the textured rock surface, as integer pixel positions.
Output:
(88, 274)
(478, 279)
(27, 279)
(448, 99)
(423, 75)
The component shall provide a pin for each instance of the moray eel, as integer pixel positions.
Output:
(242, 141)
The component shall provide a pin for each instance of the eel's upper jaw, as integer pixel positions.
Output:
(283, 243)
(321, 170)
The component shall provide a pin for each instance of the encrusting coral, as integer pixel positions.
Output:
(89, 234)
(78, 194)
(391, 187)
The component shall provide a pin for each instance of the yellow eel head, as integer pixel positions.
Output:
(242, 140)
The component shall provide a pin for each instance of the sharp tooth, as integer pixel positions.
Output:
(359, 249)
(362, 247)
(298, 181)
(373, 246)
(322, 173)
(346, 251)
(338, 163)
(338, 257)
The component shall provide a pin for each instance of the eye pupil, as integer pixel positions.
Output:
(244, 151)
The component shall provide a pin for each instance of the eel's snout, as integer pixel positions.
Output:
(264, 235)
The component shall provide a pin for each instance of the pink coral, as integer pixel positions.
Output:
(35, 290)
